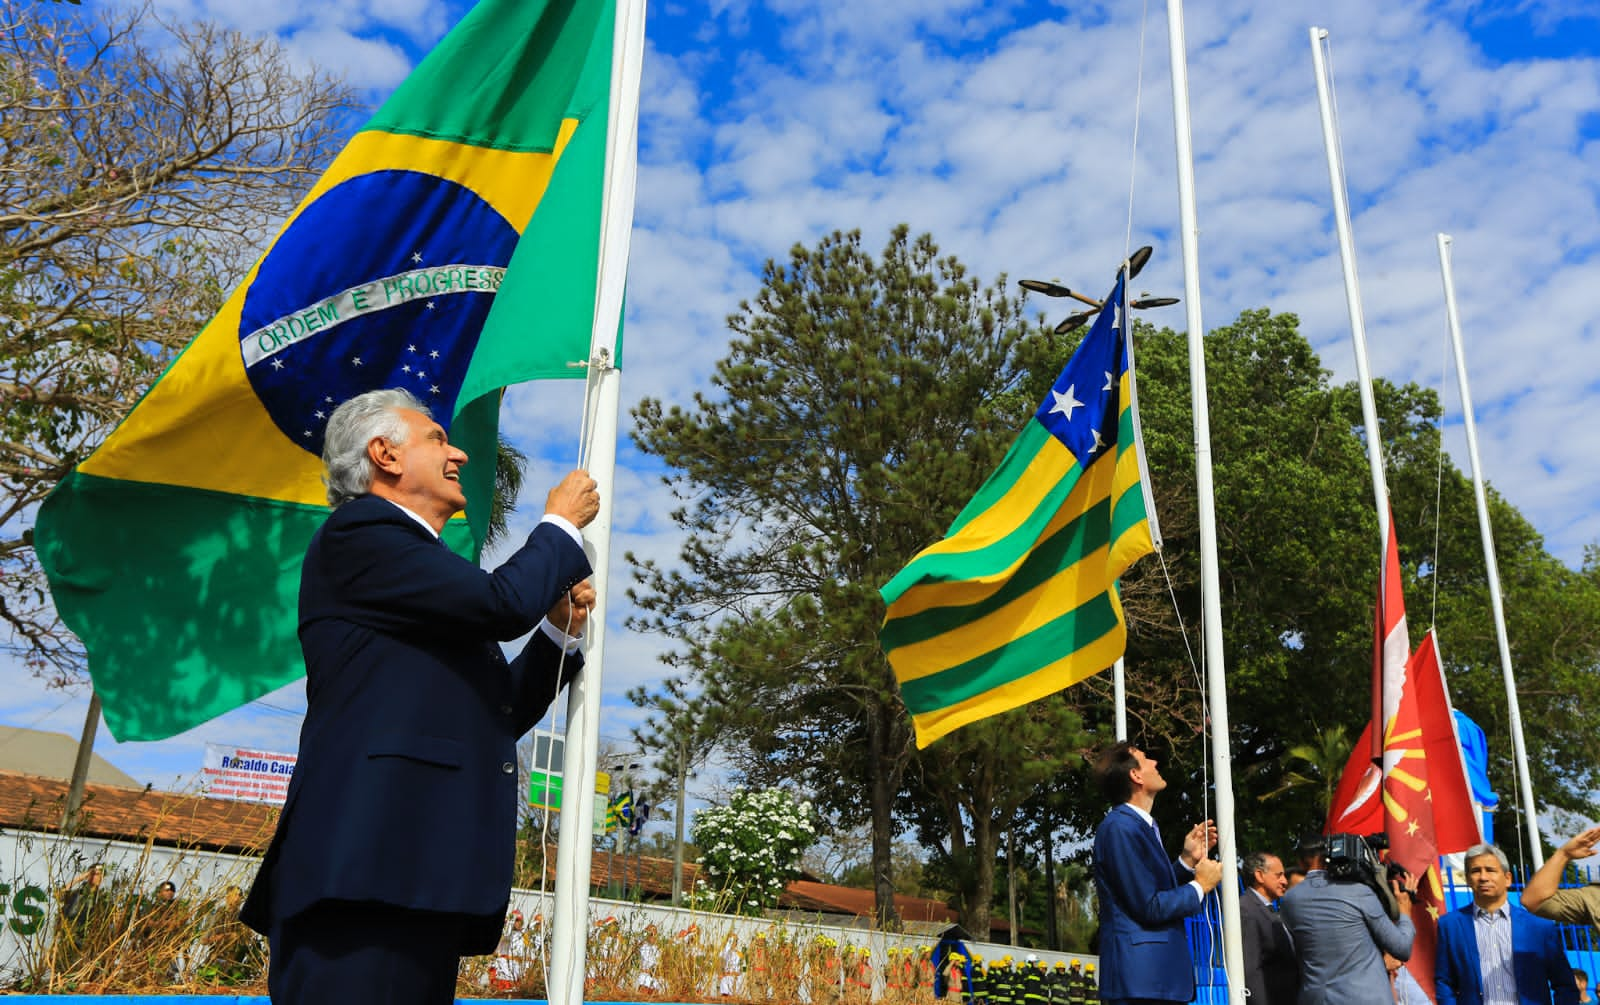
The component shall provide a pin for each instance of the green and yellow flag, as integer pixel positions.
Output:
(451, 249)
(1020, 598)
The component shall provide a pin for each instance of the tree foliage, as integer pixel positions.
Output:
(817, 464)
(1298, 559)
(140, 167)
(862, 403)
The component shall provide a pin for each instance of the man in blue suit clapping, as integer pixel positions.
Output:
(393, 855)
(1493, 952)
(1144, 897)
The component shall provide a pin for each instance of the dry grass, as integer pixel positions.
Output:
(125, 941)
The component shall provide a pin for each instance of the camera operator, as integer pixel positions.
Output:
(1344, 917)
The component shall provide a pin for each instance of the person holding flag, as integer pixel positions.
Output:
(393, 856)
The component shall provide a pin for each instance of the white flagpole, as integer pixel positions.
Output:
(1210, 589)
(1519, 748)
(568, 958)
(1119, 697)
(1352, 285)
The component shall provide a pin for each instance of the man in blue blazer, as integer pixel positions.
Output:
(1492, 951)
(393, 854)
(1143, 896)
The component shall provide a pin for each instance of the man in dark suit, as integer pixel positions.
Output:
(393, 854)
(1492, 951)
(1144, 898)
(1271, 971)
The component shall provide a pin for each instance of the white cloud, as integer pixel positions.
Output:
(1007, 133)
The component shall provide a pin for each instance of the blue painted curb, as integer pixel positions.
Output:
(226, 1000)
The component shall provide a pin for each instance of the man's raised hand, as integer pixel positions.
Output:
(576, 499)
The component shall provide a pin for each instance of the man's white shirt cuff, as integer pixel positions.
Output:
(566, 525)
(568, 642)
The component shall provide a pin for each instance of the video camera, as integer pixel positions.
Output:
(1351, 858)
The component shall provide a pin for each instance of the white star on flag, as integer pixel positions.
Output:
(416, 256)
(1116, 315)
(434, 354)
(430, 305)
(1065, 403)
(277, 364)
(355, 360)
(1108, 381)
(1099, 444)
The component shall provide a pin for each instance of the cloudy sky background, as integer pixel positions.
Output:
(1007, 130)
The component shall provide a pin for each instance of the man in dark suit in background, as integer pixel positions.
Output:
(1493, 951)
(393, 854)
(1144, 898)
(1271, 971)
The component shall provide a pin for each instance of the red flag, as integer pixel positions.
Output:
(1356, 806)
(1416, 792)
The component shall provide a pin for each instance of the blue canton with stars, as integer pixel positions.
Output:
(384, 281)
(1082, 409)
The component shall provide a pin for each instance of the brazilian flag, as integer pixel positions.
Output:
(451, 248)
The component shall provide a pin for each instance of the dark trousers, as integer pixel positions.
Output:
(339, 952)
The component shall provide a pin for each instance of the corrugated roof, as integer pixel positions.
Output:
(36, 803)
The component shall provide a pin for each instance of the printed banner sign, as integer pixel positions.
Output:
(255, 776)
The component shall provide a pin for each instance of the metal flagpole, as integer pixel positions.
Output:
(1352, 285)
(1518, 746)
(1381, 700)
(1210, 589)
(568, 957)
(1119, 697)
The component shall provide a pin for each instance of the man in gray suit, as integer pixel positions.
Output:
(1341, 931)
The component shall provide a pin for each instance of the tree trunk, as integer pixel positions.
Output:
(985, 850)
(1052, 932)
(1011, 879)
(885, 782)
(677, 825)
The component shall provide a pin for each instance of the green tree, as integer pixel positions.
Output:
(855, 413)
(681, 732)
(1298, 559)
(966, 790)
(140, 165)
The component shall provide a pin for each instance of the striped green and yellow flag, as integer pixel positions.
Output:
(451, 249)
(1020, 598)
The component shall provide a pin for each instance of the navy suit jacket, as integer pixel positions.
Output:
(1144, 898)
(405, 791)
(1538, 963)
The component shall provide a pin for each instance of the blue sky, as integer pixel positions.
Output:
(1007, 131)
